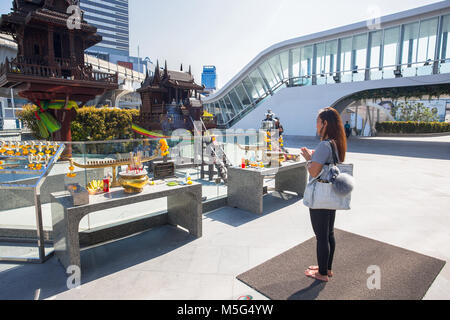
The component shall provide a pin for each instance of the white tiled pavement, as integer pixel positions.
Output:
(402, 198)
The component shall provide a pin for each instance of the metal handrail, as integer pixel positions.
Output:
(322, 74)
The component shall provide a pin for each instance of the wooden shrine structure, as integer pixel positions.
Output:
(50, 61)
(171, 100)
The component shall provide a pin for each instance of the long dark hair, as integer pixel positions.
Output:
(334, 130)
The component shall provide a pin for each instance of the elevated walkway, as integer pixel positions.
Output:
(298, 77)
(297, 107)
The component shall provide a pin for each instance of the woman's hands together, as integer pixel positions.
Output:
(307, 154)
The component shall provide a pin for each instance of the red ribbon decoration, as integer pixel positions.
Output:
(39, 105)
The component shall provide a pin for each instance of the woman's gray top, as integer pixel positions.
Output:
(323, 155)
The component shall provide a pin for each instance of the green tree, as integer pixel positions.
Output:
(415, 111)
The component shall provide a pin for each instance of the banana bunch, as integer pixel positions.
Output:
(95, 186)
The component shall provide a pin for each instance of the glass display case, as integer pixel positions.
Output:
(29, 174)
(24, 166)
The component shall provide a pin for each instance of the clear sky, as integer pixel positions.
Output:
(230, 33)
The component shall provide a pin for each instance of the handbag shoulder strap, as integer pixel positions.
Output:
(334, 152)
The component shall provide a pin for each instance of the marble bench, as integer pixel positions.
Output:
(246, 186)
(184, 209)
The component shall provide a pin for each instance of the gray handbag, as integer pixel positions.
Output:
(335, 192)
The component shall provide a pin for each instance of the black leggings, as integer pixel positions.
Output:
(323, 225)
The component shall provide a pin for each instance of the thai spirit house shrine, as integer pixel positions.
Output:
(49, 69)
(171, 100)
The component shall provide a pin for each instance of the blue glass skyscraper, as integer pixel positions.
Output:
(111, 17)
(209, 78)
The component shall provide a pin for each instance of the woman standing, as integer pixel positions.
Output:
(330, 128)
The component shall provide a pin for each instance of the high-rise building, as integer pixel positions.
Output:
(111, 17)
(209, 78)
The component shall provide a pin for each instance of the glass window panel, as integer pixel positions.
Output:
(321, 79)
(267, 87)
(359, 51)
(346, 54)
(331, 56)
(243, 95)
(346, 59)
(284, 58)
(409, 46)
(296, 62)
(276, 67)
(223, 110)
(9, 113)
(391, 39)
(218, 113)
(230, 109)
(359, 76)
(375, 50)
(306, 61)
(425, 70)
(427, 40)
(268, 74)
(250, 89)
(376, 74)
(445, 48)
(258, 82)
(320, 59)
(235, 100)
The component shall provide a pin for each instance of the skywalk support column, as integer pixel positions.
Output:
(291, 71)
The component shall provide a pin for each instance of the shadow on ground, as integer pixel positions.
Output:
(309, 293)
(22, 282)
(238, 217)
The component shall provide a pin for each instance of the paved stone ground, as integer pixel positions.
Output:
(402, 198)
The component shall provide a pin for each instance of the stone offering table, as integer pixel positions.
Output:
(245, 186)
(184, 206)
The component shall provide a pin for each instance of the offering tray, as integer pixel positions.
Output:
(133, 182)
